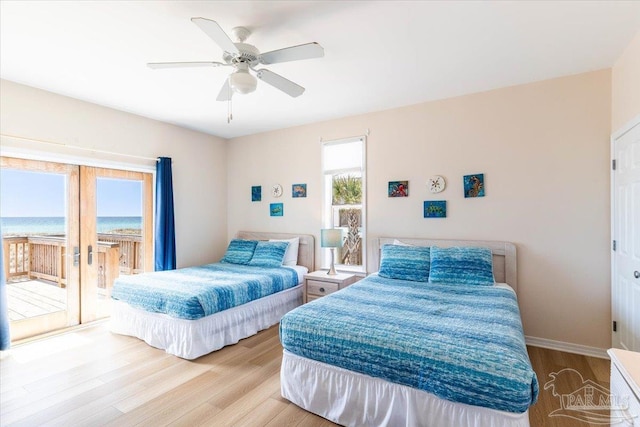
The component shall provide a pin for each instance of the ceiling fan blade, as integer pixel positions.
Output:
(217, 34)
(279, 82)
(225, 92)
(293, 53)
(158, 65)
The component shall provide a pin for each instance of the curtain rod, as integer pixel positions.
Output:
(62, 144)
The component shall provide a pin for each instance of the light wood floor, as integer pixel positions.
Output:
(545, 362)
(93, 377)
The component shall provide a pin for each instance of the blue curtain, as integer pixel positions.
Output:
(165, 244)
(5, 336)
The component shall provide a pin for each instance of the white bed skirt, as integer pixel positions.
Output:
(352, 399)
(190, 339)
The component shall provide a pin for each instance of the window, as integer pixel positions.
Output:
(344, 201)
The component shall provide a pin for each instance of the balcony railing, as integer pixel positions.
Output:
(131, 259)
(43, 257)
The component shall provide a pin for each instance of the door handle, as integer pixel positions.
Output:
(90, 255)
(636, 274)
(76, 256)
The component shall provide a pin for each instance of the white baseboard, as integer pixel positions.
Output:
(568, 347)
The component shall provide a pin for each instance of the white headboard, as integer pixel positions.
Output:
(504, 254)
(306, 250)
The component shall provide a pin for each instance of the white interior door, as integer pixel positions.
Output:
(625, 267)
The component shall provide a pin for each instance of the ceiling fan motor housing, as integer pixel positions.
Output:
(248, 54)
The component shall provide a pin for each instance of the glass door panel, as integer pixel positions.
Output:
(116, 228)
(39, 211)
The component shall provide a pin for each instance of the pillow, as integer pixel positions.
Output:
(269, 254)
(401, 243)
(239, 251)
(461, 266)
(405, 262)
(291, 256)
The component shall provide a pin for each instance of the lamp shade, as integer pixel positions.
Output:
(242, 82)
(331, 238)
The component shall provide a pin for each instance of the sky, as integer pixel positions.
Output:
(25, 193)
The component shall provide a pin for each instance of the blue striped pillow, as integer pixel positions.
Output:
(461, 266)
(269, 254)
(405, 263)
(239, 251)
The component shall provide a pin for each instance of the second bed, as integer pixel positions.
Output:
(175, 311)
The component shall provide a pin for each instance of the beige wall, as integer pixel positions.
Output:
(199, 160)
(543, 148)
(625, 85)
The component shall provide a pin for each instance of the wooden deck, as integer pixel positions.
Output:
(30, 298)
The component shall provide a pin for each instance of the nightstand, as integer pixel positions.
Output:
(319, 284)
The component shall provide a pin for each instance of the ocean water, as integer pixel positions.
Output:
(12, 226)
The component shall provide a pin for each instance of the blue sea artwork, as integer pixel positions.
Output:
(276, 209)
(435, 209)
(299, 190)
(474, 185)
(256, 193)
(398, 189)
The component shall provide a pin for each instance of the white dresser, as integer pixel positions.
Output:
(625, 382)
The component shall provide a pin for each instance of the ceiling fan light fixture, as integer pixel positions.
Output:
(242, 82)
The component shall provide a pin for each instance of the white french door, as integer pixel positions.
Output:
(625, 268)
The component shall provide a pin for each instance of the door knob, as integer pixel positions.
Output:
(636, 274)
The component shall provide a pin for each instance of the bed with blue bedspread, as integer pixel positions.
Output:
(195, 292)
(390, 351)
(193, 311)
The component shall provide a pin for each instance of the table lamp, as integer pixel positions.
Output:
(331, 238)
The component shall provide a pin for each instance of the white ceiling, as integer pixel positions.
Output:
(378, 54)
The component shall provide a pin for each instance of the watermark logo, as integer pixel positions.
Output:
(586, 400)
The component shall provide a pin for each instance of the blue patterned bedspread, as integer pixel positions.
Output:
(195, 292)
(461, 343)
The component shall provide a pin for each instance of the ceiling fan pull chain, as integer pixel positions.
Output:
(229, 114)
(229, 106)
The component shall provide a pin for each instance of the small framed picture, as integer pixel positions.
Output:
(299, 190)
(474, 185)
(398, 189)
(276, 209)
(435, 209)
(256, 193)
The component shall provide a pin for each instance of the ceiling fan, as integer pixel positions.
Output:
(244, 58)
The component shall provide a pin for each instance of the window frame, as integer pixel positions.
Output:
(327, 202)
